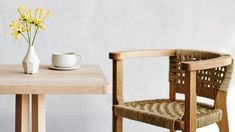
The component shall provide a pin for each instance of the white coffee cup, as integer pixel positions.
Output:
(66, 60)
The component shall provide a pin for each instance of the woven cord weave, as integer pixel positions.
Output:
(208, 81)
(164, 113)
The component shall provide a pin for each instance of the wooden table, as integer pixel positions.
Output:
(88, 79)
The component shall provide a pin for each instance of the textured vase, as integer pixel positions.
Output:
(31, 61)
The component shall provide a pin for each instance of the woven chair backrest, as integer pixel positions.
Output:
(208, 81)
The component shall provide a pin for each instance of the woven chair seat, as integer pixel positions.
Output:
(165, 113)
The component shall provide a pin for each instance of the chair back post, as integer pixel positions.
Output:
(172, 93)
(172, 87)
(118, 82)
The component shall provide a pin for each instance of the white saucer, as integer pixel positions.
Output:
(63, 68)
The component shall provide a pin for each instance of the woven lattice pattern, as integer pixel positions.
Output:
(208, 81)
(164, 113)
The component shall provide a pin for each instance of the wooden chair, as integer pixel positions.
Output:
(192, 73)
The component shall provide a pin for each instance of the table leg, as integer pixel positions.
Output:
(22, 113)
(38, 113)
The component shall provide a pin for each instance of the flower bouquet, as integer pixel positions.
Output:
(28, 25)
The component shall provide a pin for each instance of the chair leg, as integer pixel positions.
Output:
(221, 103)
(223, 124)
(117, 124)
(190, 114)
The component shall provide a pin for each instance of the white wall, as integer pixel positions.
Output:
(96, 27)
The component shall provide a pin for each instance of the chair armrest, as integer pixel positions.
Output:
(141, 53)
(207, 64)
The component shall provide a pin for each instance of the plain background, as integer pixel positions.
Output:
(96, 27)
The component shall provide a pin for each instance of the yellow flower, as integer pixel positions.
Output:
(17, 28)
(42, 26)
(29, 23)
(22, 10)
(29, 16)
(40, 16)
(47, 14)
(25, 15)
(15, 35)
(15, 25)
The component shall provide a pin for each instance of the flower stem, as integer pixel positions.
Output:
(35, 33)
(25, 38)
(29, 37)
(30, 30)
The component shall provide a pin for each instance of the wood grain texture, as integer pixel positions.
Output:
(38, 113)
(22, 113)
(89, 79)
(117, 82)
(221, 103)
(141, 53)
(117, 92)
(117, 124)
(190, 114)
(207, 64)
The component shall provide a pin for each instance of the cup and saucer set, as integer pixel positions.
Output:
(66, 61)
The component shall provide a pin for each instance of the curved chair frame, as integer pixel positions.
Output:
(191, 68)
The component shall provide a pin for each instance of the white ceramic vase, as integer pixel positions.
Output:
(31, 61)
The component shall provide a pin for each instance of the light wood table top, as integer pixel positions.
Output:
(89, 79)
